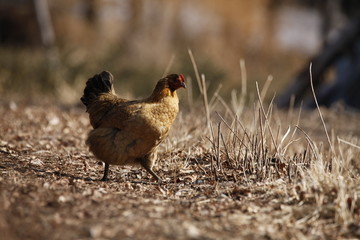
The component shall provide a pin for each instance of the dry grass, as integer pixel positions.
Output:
(254, 174)
(231, 172)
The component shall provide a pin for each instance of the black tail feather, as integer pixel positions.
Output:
(98, 84)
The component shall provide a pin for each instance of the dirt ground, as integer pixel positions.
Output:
(50, 189)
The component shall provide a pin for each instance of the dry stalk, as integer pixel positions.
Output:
(318, 108)
(197, 75)
(262, 137)
(243, 78)
(266, 118)
(214, 97)
(243, 86)
(218, 145)
(215, 154)
(348, 143)
(202, 87)
(222, 101)
(189, 85)
(226, 150)
(236, 135)
(169, 65)
(205, 100)
(266, 87)
(310, 142)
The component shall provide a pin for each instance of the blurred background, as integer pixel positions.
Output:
(49, 49)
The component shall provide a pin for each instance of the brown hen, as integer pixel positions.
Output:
(129, 132)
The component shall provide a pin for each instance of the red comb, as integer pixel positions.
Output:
(182, 78)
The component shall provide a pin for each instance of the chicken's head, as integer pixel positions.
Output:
(176, 81)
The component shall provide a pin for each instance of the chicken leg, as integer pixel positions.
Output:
(106, 172)
(147, 164)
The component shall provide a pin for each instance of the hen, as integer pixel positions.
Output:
(129, 132)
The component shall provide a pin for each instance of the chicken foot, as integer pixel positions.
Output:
(145, 163)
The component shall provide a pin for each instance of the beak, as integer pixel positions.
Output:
(182, 81)
(183, 84)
